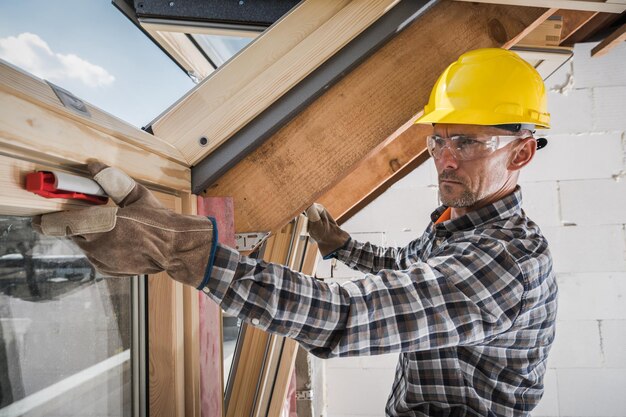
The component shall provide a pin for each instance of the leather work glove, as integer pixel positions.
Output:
(138, 237)
(324, 230)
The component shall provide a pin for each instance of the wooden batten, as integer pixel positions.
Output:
(227, 106)
(325, 142)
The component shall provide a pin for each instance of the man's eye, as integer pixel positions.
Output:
(440, 142)
(463, 141)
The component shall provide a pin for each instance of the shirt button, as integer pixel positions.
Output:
(255, 322)
(206, 290)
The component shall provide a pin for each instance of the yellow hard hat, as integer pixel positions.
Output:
(488, 86)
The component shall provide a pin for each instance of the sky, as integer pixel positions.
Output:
(91, 49)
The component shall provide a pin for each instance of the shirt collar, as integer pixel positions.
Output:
(501, 209)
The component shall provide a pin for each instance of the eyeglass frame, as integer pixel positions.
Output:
(497, 142)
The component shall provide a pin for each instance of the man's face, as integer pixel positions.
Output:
(463, 183)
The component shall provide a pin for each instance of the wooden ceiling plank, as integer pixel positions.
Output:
(593, 6)
(324, 143)
(28, 87)
(610, 42)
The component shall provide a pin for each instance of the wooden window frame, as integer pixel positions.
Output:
(39, 133)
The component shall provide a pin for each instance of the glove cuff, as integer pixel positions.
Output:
(209, 266)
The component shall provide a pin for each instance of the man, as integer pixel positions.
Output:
(470, 305)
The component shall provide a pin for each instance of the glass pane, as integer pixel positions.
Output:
(221, 48)
(231, 326)
(65, 333)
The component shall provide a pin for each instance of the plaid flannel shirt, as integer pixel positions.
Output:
(470, 306)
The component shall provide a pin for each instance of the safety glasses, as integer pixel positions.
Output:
(467, 147)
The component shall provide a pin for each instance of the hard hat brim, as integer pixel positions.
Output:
(476, 117)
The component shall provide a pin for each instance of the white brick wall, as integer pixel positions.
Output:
(575, 190)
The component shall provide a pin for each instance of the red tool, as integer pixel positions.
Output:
(52, 184)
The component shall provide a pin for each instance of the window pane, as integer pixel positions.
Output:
(65, 333)
(231, 326)
(221, 48)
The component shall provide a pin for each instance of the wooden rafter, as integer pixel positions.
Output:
(309, 156)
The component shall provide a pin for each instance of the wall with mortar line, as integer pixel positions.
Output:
(575, 189)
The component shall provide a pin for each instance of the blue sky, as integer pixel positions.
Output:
(91, 49)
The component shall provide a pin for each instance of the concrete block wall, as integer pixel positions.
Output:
(575, 189)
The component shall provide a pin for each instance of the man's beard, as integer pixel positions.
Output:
(466, 199)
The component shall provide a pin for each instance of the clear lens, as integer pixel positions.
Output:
(466, 147)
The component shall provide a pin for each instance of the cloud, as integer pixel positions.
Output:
(31, 53)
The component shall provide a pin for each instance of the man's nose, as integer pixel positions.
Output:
(448, 159)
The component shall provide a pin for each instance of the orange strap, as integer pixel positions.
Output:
(444, 216)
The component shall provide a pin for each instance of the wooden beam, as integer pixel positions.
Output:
(592, 6)
(610, 42)
(30, 88)
(227, 107)
(324, 143)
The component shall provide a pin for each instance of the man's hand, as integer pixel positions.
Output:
(324, 230)
(140, 236)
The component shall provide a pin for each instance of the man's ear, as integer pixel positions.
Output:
(522, 154)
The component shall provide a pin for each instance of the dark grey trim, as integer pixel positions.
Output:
(251, 136)
(240, 12)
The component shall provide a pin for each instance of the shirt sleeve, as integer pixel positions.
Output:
(463, 295)
(370, 259)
